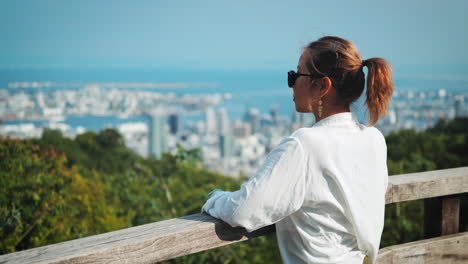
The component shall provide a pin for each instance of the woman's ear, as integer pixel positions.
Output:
(326, 86)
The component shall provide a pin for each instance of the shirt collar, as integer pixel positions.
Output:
(340, 118)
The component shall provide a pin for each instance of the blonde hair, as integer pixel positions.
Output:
(341, 61)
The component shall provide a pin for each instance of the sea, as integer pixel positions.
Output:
(261, 89)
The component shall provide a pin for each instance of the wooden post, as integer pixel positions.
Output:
(441, 216)
(450, 215)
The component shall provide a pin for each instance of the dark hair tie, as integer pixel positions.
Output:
(364, 63)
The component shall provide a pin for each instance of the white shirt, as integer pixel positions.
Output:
(324, 187)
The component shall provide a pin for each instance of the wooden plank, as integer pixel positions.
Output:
(451, 249)
(142, 244)
(428, 184)
(389, 193)
(450, 215)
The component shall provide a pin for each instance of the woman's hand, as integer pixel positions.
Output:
(208, 205)
(213, 192)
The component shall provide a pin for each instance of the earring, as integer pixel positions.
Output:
(320, 108)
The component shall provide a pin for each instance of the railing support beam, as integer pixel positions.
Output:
(441, 216)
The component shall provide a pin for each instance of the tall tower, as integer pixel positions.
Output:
(174, 123)
(459, 106)
(222, 121)
(274, 112)
(252, 116)
(210, 121)
(226, 145)
(226, 140)
(157, 135)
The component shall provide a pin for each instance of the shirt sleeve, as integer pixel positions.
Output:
(274, 192)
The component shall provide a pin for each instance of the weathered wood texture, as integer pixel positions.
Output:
(449, 249)
(427, 184)
(450, 215)
(190, 234)
(141, 244)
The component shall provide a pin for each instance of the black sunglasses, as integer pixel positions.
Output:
(292, 77)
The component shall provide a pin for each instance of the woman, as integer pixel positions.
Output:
(323, 186)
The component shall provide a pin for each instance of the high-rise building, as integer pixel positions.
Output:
(252, 116)
(226, 145)
(226, 140)
(460, 108)
(157, 134)
(210, 121)
(274, 112)
(223, 126)
(174, 123)
(241, 130)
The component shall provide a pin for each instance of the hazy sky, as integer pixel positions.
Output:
(217, 34)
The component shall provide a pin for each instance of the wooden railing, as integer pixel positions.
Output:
(194, 233)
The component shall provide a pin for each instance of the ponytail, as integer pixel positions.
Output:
(379, 88)
(340, 60)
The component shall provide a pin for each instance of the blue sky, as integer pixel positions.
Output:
(218, 34)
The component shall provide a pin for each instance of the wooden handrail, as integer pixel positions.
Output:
(194, 233)
(445, 249)
(421, 185)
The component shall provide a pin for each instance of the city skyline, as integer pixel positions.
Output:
(154, 123)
